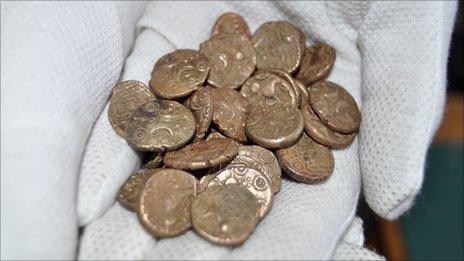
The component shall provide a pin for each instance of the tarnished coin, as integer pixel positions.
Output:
(231, 23)
(306, 161)
(319, 131)
(202, 154)
(165, 202)
(232, 60)
(225, 215)
(129, 193)
(179, 73)
(282, 74)
(201, 105)
(317, 62)
(214, 134)
(127, 97)
(229, 112)
(269, 89)
(304, 95)
(260, 159)
(255, 181)
(159, 126)
(274, 127)
(335, 106)
(278, 45)
(154, 161)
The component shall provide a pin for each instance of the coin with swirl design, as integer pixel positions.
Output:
(165, 202)
(335, 106)
(129, 193)
(278, 45)
(231, 23)
(232, 60)
(225, 215)
(289, 79)
(127, 97)
(159, 126)
(179, 73)
(255, 181)
(230, 112)
(269, 89)
(274, 127)
(307, 161)
(202, 154)
(261, 159)
(316, 64)
(201, 105)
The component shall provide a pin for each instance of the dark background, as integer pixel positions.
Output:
(433, 228)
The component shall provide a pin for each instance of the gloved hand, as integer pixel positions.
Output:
(391, 57)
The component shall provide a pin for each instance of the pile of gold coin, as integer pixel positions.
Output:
(220, 124)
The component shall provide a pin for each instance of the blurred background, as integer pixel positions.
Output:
(433, 228)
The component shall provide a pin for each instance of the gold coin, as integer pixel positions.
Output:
(165, 202)
(304, 95)
(287, 77)
(335, 106)
(202, 154)
(260, 159)
(225, 215)
(232, 60)
(127, 97)
(179, 73)
(231, 23)
(317, 62)
(154, 161)
(274, 127)
(268, 88)
(129, 193)
(278, 45)
(320, 132)
(159, 126)
(229, 112)
(306, 161)
(255, 181)
(201, 105)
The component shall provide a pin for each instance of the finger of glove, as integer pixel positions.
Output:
(306, 221)
(404, 47)
(108, 159)
(117, 235)
(347, 251)
(58, 66)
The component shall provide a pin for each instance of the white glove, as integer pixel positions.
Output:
(394, 54)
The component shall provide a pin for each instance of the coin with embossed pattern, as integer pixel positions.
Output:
(287, 77)
(179, 73)
(159, 126)
(261, 159)
(306, 161)
(232, 60)
(274, 127)
(231, 23)
(229, 112)
(214, 134)
(268, 88)
(319, 131)
(335, 106)
(316, 64)
(202, 154)
(278, 45)
(201, 105)
(165, 202)
(127, 97)
(225, 215)
(129, 193)
(255, 181)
